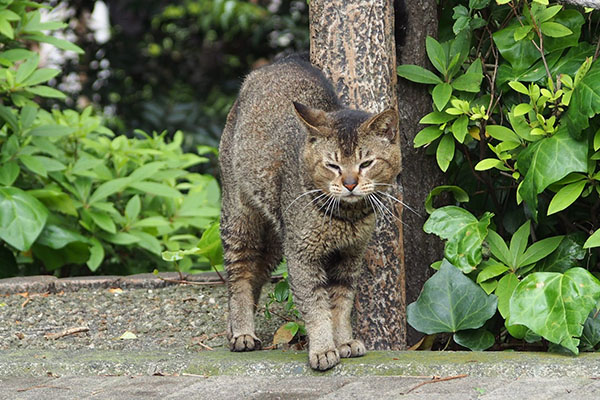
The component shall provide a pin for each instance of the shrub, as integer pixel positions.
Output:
(72, 193)
(515, 126)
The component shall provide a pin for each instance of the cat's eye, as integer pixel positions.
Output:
(334, 167)
(366, 164)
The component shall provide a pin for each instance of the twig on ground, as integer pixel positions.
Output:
(67, 332)
(436, 379)
(186, 282)
(194, 375)
(207, 347)
(43, 387)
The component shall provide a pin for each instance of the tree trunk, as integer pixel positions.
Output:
(421, 174)
(352, 41)
(584, 3)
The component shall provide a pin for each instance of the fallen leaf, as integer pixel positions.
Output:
(127, 335)
(283, 335)
(115, 290)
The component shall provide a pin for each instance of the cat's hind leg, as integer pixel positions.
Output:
(243, 236)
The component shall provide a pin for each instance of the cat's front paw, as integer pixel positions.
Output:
(244, 343)
(354, 348)
(324, 360)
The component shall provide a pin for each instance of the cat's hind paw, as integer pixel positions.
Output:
(244, 343)
(354, 348)
(324, 360)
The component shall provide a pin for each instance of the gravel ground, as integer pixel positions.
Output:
(173, 318)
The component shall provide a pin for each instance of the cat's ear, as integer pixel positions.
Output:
(314, 119)
(383, 124)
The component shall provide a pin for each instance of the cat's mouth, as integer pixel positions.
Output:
(352, 197)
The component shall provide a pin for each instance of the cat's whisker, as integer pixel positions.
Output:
(330, 201)
(372, 206)
(314, 200)
(302, 195)
(382, 184)
(399, 201)
(387, 210)
(381, 209)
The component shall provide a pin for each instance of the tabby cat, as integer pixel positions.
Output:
(302, 177)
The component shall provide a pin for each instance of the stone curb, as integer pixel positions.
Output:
(277, 363)
(52, 284)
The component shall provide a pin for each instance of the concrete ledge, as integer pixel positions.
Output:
(51, 284)
(508, 365)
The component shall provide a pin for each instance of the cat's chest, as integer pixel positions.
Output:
(341, 234)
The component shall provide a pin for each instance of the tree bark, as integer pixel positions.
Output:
(352, 41)
(421, 174)
(583, 3)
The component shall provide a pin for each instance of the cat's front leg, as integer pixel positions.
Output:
(312, 299)
(342, 300)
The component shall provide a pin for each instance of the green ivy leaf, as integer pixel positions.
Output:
(427, 135)
(22, 217)
(27, 68)
(460, 128)
(103, 220)
(568, 255)
(158, 189)
(436, 55)
(566, 196)
(498, 247)
(475, 339)
(9, 172)
(45, 91)
(282, 291)
(504, 291)
(593, 240)
(585, 101)
(502, 133)
(463, 232)
(96, 255)
(418, 74)
(590, 336)
(57, 237)
(459, 195)
(539, 250)
(210, 245)
(436, 118)
(562, 304)
(521, 54)
(33, 164)
(54, 199)
(450, 302)
(147, 241)
(554, 29)
(133, 207)
(471, 80)
(445, 152)
(441, 94)
(547, 161)
(491, 269)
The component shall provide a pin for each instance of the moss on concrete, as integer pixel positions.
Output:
(291, 363)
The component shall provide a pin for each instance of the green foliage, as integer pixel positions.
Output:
(464, 233)
(283, 295)
(189, 58)
(515, 125)
(450, 302)
(73, 194)
(562, 304)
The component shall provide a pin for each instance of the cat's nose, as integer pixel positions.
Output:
(349, 182)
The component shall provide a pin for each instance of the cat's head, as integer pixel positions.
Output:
(348, 153)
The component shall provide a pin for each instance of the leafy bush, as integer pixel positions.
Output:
(71, 192)
(190, 55)
(515, 126)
